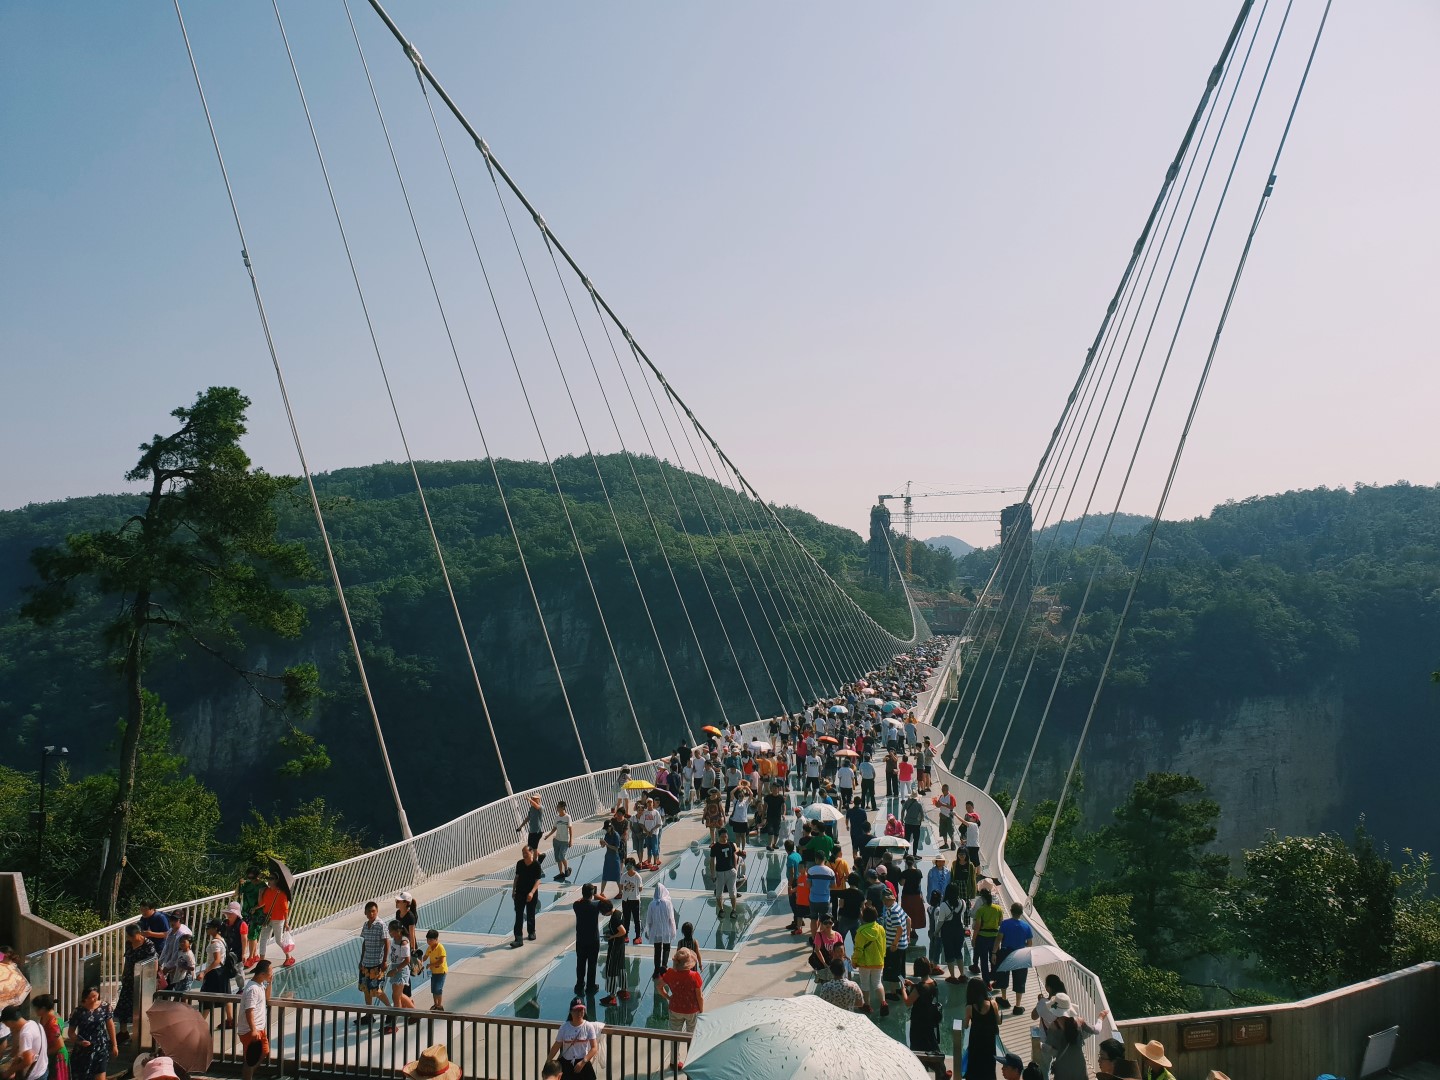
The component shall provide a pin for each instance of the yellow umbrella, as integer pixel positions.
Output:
(637, 785)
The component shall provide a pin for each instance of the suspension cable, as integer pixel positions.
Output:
(295, 436)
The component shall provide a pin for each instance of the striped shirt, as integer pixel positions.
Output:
(897, 927)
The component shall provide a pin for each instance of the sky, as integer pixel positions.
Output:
(868, 244)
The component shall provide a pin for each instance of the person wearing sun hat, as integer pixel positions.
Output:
(1155, 1065)
(576, 1044)
(433, 1064)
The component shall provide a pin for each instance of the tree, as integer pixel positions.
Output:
(200, 559)
(1158, 842)
(1320, 913)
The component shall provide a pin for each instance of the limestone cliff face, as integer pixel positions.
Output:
(1271, 762)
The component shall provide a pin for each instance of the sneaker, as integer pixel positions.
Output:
(289, 962)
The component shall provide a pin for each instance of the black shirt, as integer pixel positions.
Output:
(724, 856)
(527, 875)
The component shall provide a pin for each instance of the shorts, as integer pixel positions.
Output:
(257, 1046)
(437, 984)
(869, 980)
(682, 1022)
(725, 882)
(561, 849)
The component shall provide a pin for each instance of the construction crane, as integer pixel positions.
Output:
(959, 515)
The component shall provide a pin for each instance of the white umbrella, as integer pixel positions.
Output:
(820, 811)
(1035, 956)
(799, 1038)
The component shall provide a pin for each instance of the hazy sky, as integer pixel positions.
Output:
(869, 243)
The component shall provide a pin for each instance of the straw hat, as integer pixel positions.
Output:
(433, 1064)
(1153, 1052)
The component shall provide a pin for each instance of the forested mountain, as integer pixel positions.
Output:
(54, 688)
(1279, 648)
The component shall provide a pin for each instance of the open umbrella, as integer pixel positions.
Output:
(887, 843)
(1035, 956)
(637, 785)
(282, 874)
(13, 987)
(820, 811)
(711, 729)
(183, 1033)
(756, 1040)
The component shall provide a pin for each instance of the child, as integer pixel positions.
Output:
(687, 941)
(630, 886)
(435, 961)
(184, 969)
(248, 893)
(399, 972)
(615, 934)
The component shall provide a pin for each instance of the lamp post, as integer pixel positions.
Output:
(45, 755)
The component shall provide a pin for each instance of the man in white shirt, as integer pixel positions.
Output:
(31, 1060)
(254, 1022)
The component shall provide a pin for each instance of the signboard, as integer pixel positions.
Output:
(1201, 1036)
(1250, 1031)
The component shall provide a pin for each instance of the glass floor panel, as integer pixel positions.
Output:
(548, 998)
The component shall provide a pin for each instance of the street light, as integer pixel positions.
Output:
(45, 754)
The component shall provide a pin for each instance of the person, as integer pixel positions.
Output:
(1015, 933)
(660, 927)
(986, 929)
(945, 803)
(630, 885)
(838, 990)
(183, 973)
(1154, 1065)
(170, 947)
(247, 894)
(29, 1051)
(682, 989)
(43, 1006)
(399, 971)
(1065, 1037)
(687, 941)
(236, 935)
(972, 833)
(275, 908)
(588, 910)
(923, 998)
(140, 947)
(254, 1026)
(821, 879)
(612, 842)
(435, 960)
(652, 821)
(525, 894)
(407, 914)
(576, 1044)
(982, 1021)
(825, 946)
(869, 959)
(723, 863)
(374, 960)
(561, 833)
(92, 1037)
(615, 976)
